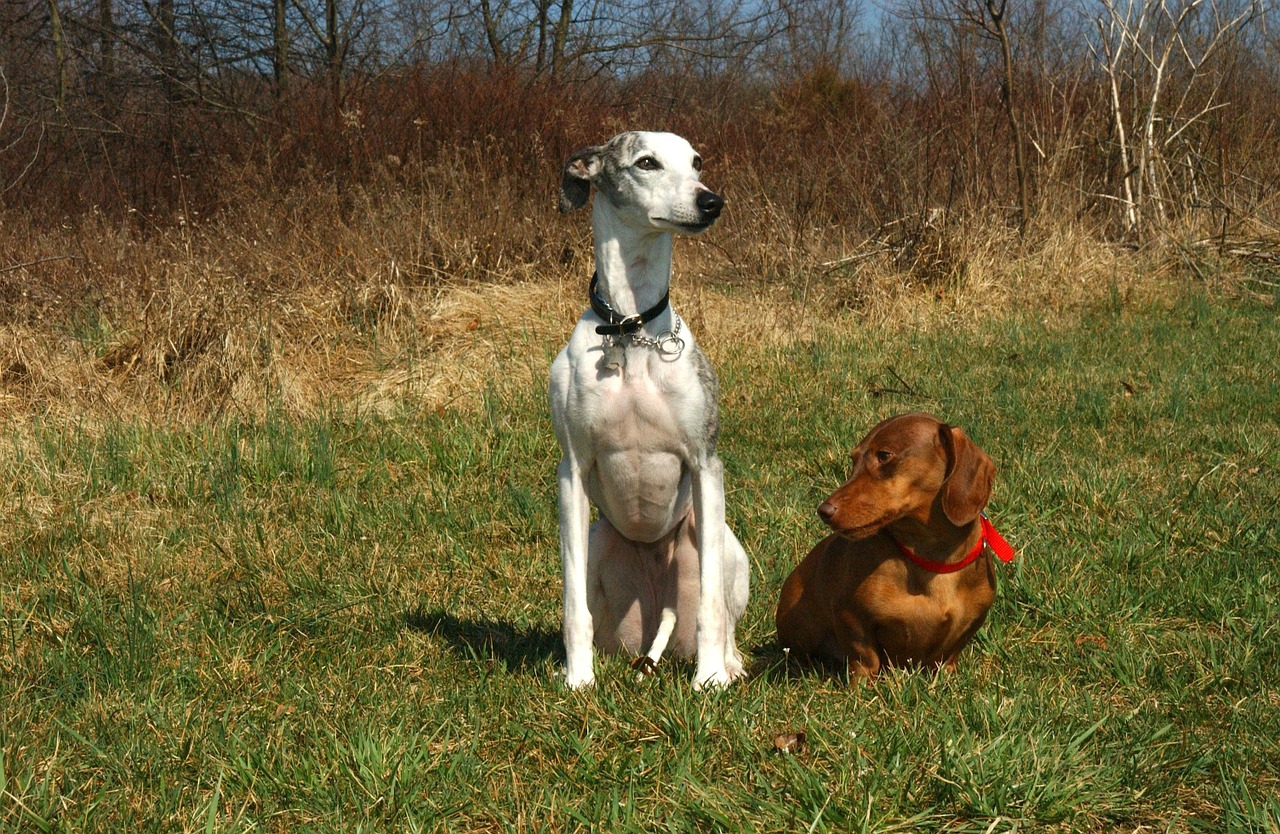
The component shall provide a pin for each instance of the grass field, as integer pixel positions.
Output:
(351, 622)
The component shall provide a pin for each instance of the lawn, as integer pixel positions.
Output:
(351, 622)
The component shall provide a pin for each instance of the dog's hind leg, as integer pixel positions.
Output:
(648, 599)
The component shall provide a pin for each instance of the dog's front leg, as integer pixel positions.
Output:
(708, 510)
(575, 518)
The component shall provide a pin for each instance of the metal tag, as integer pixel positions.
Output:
(615, 355)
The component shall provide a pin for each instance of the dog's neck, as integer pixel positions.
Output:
(936, 538)
(633, 265)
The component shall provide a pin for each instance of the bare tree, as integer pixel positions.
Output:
(280, 48)
(493, 19)
(10, 144)
(105, 75)
(335, 51)
(106, 37)
(60, 55)
(995, 21)
(989, 19)
(1143, 47)
(816, 34)
(334, 33)
(165, 34)
(543, 8)
(566, 38)
(560, 39)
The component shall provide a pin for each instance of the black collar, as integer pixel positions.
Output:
(618, 324)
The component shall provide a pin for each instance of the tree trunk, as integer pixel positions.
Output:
(333, 52)
(544, 8)
(106, 38)
(561, 38)
(167, 49)
(279, 49)
(491, 32)
(59, 56)
(996, 9)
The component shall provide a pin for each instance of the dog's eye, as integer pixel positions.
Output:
(697, 163)
(648, 163)
(884, 456)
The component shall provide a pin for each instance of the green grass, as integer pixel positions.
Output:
(352, 623)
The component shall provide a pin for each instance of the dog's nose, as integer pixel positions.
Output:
(710, 203)
(826, 511)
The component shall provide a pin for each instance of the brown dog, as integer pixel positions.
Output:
(905, 578)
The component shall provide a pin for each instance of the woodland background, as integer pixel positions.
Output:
(219, 200)
(1132, 118)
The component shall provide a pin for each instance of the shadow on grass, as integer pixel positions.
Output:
(768, 661)
(527, 649)
(521, 648)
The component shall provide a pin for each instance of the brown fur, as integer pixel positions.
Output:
(855, 597)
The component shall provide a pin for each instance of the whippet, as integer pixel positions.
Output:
(634, 403)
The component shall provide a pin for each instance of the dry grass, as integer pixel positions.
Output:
(368, 298)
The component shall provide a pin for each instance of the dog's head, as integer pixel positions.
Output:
(651, 180)
(916, 466)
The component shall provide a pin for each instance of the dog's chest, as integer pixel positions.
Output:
(926, 627)
(642, 448)
(640, 411)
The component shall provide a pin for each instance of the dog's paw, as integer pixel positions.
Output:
(719, 679)
(577, 681)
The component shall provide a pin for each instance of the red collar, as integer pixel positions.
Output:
(989, 537)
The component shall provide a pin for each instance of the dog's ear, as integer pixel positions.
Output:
(967, 486)
(575, 182)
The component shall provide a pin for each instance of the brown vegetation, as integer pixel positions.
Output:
(197, 242)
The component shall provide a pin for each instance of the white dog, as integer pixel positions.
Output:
(635, 408)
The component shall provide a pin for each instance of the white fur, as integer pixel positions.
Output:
(639, 441)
